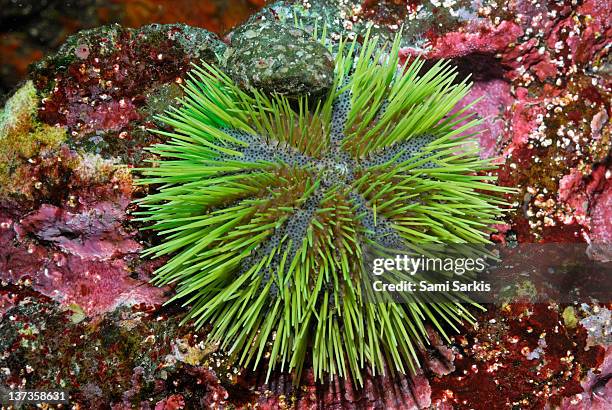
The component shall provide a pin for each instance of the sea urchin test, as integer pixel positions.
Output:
(267, 208)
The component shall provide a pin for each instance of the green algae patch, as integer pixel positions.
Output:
(23, 137)
(569, 317)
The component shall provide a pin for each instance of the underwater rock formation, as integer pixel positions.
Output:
(67, 140)
(73, 286)
(278, 59)
(31, 29)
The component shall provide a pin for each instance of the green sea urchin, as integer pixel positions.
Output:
(269, 206)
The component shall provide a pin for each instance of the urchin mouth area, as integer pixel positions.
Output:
(335, 168)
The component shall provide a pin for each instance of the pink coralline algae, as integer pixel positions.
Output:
(89, 265)
(475, 37)
(91, 234)
(493, 105)
(95, 287)
(602, 214)
(541, 70)
(173, 402)
(578, 191)
(597, 393)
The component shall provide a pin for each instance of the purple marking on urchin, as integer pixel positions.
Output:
(340, 111)
(403, 152)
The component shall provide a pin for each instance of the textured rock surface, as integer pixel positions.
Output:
(523, 356)
(105, 84)
(278, 59)
(119, 360)
(69, 249)
(67, 140)
(31, 29)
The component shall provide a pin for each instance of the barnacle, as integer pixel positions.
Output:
(268, 208)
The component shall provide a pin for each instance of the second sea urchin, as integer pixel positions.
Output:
(268, 208)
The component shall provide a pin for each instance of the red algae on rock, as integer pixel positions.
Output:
(67, 140)
(553, 60)
(478, 37)
(521, 357)
(98, 95)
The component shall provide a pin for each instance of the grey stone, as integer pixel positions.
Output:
(277, 58)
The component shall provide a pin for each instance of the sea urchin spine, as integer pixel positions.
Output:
(268, 206)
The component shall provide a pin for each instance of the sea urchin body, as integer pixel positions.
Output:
(269, 206)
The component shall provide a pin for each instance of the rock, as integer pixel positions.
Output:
(278, 59)
(67, 140)
(104, 85)
(122, 359)
(515, 355)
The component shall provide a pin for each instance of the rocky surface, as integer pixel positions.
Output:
(31, 29)
(278, 59)
(67, 140)
(69, 247)
(125, 358)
